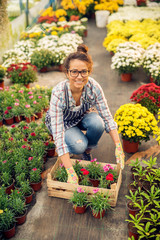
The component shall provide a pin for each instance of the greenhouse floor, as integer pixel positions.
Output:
(51, 218)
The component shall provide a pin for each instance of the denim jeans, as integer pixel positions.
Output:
(77, 141)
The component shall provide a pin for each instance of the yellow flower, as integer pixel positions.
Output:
(1, 211)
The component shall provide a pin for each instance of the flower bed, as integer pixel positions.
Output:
(65, 190)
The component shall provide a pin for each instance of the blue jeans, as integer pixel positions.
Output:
(77, 141)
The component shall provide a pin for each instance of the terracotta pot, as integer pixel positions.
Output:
(79, 209)
(27, 85)
(50, 152)
(141, 2)
(31, 119)
(2, 84)
(39, 115)
(45, 109)
(18, 119)
(131, 209)
(126, 77)
(9, 188)
(28, 199)
(85, 33)
(130, 147)
(99, 215)
(45, 158)
(21, 219)
(1, 123)
(36, 186)
(132, 231)
(9, 121)
(95, 182)
(10, 232)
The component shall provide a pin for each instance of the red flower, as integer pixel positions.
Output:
(10, 139)
(109, 177)
(25, 139)
(9, 107)
(34, 169)
(6, 112)
(85, 172)
(20, 74)
(46, 143)
(30, 158)
(25, 127)
(83, 169)
(33, 134)
(13, 126)
(24, 146)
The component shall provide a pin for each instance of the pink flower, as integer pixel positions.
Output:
(24, 146)
(34, 102)
(13, 126)
(34, 169)
(30, 158)
(4, 161)
(1, 88)
(79, 160)
(30, 97)
(94, 160)
(39, 96)
(27, 106)
(20, 91)
(95, 190)
(17, 100)
(106, 168)
(79, 189)
(16, 104)
(12, 95)
(30, 92)
(97, 162)
(61, 165)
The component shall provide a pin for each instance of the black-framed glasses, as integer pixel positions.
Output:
(75, 73)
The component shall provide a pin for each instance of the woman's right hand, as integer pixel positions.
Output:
(72, 176)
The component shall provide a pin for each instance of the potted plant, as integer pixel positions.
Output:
(24, 73)
(61, 174)
(29, 113)
(127, 59)
(7, 223)
(79, 200)
(133, 198)
(136, 124)
(50, 147)
(99, 203)
(2, 75)
(8, 116)
(95, 171)
(27, 191)
(148, 95)
(17, 112)
(35, 179)
(7, 180)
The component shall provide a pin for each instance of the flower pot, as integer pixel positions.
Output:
(9, 188)
(30, 119)
(43, 70)
(28, 199)
(39, 115)
(79, 209)
(10, 232)
(2, 84)
(9, 121)
(132, 231)
(85, 33)
(98, 215)
(126, 77)
(45, 158)
(27, 85)
(1, 123)
(95, 182)
(21, 219)
(18, 119)
(45, 109)
(130, 147)
(131, 209)
(36, 186)
(50, 152)
(141, 3)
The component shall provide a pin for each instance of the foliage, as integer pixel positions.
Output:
(61, 174)
(2, 72)
(79, 197)
(136, 123)
(7, 219)
(35, 175)
(25, 188)
(42, 58)
(94, 169)
(17, 205)
(22, 73)
(148, 95)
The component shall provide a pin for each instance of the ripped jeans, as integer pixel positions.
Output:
(77, 141)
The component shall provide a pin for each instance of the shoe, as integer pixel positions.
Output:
(86, 156)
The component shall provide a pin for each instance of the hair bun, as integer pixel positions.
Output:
(82, 48)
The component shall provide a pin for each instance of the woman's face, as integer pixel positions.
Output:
(78, 74)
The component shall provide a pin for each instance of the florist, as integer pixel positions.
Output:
(71, 112)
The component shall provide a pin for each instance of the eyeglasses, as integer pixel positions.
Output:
(75, 73)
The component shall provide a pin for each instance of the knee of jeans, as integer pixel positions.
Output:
(79, 147)
(97, 123)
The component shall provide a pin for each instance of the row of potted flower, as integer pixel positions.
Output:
(143, 200)
(23, 152)
(130, 56)
(18, 102)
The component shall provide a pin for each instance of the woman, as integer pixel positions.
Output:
(70, 114)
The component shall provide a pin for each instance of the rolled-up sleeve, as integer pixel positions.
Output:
(103, 109)
(57, 124)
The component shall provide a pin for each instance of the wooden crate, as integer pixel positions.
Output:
(65, 190)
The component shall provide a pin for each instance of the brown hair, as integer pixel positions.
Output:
(82, 55)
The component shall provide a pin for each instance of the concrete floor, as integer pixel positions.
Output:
(53, 218)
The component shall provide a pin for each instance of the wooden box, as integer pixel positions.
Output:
(65, 190)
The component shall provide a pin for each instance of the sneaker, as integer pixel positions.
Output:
(86, 156)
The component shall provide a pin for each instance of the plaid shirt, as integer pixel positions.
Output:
(57, 104)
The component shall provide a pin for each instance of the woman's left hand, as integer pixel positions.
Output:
(119, 154)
